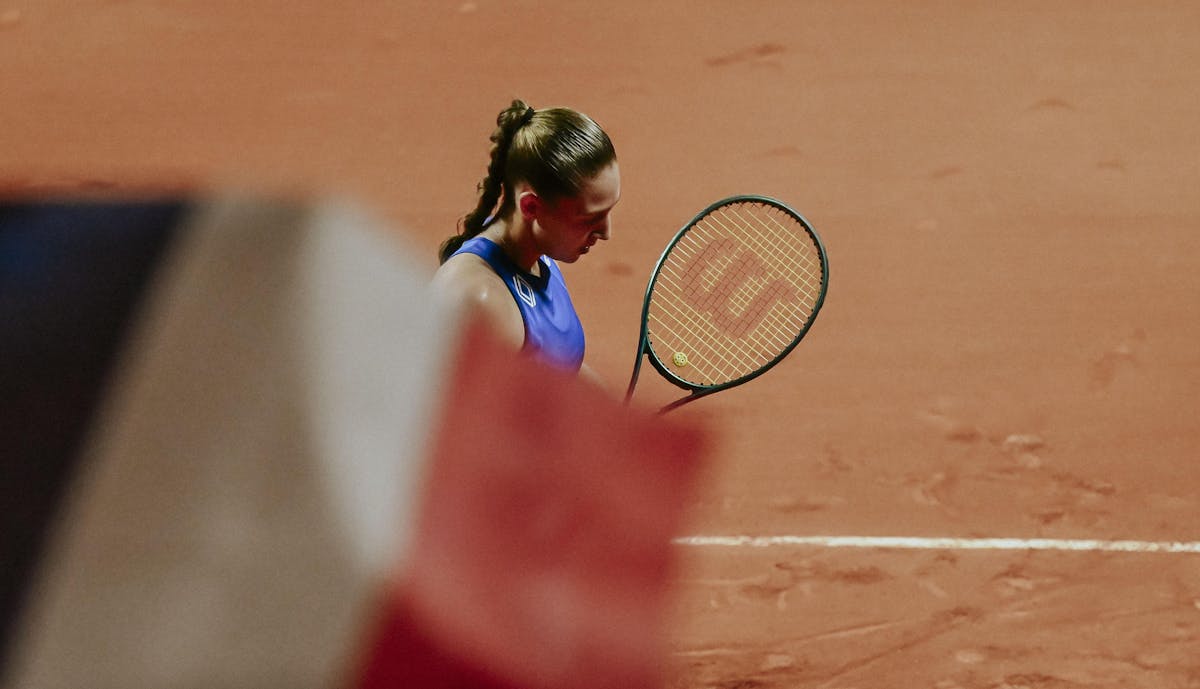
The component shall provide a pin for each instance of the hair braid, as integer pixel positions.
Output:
(491, 188)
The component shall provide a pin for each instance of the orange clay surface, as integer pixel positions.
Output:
(1011, 343)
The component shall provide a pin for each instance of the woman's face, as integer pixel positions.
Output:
(568, 228)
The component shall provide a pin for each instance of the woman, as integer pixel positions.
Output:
(550, 187)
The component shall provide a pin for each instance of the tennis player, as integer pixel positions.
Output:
(549, 191)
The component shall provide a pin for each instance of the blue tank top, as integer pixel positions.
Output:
(552, 328)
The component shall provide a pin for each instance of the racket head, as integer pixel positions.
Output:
(733, 293)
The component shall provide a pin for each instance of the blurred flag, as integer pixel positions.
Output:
(244, 447)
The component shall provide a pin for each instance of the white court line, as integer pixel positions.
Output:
(916, 543)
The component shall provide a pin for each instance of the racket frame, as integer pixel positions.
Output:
(696, 390)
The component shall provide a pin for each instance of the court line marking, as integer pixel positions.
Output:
(919, 543)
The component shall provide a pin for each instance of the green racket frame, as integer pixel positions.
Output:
(697, 390)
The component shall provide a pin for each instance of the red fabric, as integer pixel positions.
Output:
(543, 549)
(402, 654)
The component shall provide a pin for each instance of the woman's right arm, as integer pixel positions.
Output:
(468, 282)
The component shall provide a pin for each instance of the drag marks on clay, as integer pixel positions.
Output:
(1023, 609)
(782, 152)
(762, 54)
(950, 427)
(801, 505)
(1021, 580)
(829, 464)
(1104, 369)
(10, 19)
(619, 268)
(1052, 104)
(784, 578)
(937, 625)
(741, 684)
(780, 664)
(927, 575)
(948, 171)
(1036, 681)
(934, 490)
(832, 462)
(1051, 120)
(1023, 448)
(1020, 462)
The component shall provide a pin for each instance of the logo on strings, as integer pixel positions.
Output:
(715, 297)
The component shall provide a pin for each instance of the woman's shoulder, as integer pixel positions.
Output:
(466, 280)
(468, 277)
(463, 268)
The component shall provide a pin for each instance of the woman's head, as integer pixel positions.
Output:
(554, 152)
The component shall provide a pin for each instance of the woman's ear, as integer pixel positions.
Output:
(530, 204)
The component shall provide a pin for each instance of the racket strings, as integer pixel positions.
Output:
(808, 281)
(735, 292)
(739, 302)
(808, 262)
(785, 264)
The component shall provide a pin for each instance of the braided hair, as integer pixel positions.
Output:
(555, 151)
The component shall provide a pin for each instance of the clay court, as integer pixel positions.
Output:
(1008, 196)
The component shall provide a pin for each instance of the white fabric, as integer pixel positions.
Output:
(251, 481)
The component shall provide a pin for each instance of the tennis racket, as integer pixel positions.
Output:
(732, 294)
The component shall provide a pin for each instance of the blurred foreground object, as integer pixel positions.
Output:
(244, 447)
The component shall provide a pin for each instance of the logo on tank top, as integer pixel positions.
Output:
(524, 291)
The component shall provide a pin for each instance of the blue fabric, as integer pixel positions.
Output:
(552, 328)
